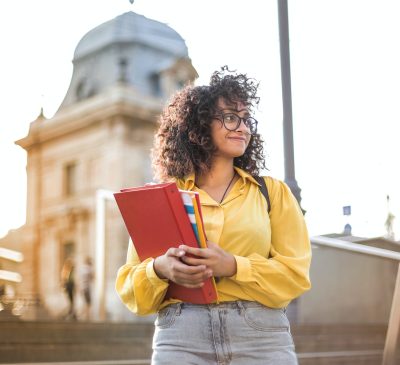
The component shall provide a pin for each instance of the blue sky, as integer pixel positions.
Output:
(345, 88)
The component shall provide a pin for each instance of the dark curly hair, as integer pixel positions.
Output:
(183, 142)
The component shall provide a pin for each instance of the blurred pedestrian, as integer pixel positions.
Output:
(86, 279)
(68, 283)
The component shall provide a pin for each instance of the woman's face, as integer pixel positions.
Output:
(229, 143)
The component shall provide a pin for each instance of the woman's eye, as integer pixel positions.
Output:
(230, 118)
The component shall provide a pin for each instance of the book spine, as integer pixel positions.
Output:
(199, 223)
(180, 216)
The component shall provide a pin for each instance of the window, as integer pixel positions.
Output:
(155, 83)
(70, 179)
(180, 84)
(68, 250)
(81, 90)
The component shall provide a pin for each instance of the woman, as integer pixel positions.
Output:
(208, 142)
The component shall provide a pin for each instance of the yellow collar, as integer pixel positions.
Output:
(188, 182)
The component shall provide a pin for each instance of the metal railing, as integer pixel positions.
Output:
(392, 335)
(104, 362)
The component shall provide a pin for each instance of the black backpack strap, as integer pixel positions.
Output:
(264, 190)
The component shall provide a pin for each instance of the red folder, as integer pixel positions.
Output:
(156, 220)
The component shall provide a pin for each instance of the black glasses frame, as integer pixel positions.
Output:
(250, 122)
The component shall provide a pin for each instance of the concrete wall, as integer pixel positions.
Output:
(348, 288)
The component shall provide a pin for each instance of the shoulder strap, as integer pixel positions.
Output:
(264, 190)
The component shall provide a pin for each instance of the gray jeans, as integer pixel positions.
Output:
(234, 333)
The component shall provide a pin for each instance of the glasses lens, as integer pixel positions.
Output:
(231, 121)
(251, 123)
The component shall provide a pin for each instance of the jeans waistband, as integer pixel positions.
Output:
(237, 304)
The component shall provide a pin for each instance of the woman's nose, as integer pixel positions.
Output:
(243, 127)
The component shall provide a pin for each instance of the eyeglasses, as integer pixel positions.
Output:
(232, 122)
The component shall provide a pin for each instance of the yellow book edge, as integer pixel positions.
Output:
(202, 236)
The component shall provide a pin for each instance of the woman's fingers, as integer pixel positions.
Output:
(193, 261)
(183, 274)
(177, 267)
(200, 252)
(200, 272)
(192, 286)
(192, 278)
(195, 280)
(176, 252)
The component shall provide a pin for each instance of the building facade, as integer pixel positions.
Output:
(100, 138)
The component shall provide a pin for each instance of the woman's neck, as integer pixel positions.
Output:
(220, 174)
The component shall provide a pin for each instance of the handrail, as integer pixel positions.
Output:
(389, 352)
(355, 247)
(14, 256)
(102, 196)
(95, 362)
(11, 255)
(10, 276)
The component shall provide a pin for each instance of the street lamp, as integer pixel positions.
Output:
(290, 178)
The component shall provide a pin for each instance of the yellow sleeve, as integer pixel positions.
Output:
(138, 286)
(276, 280)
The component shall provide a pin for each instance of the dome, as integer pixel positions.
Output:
(129, 49)
(131, 28)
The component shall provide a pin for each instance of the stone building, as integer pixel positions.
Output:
(100, 138)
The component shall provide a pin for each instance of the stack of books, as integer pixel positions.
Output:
(160, 216)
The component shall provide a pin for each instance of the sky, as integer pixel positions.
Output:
(345, 59)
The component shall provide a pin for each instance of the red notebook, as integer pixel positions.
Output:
(156, 220)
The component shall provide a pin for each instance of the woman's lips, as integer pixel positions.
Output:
(238, 139)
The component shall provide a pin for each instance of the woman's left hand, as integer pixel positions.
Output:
(221, 263)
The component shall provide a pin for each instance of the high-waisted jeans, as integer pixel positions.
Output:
(234, 333)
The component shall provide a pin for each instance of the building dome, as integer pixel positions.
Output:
(131, 49)
(131, 28)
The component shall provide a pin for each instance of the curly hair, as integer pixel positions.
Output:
(183, 142)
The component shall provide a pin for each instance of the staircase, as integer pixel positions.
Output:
(124, 343)
(339, 344)
(73, 341)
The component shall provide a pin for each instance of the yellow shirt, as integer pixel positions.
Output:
(272, 252)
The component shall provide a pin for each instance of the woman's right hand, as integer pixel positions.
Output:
(169, 266)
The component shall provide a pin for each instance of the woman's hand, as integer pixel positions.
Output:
(171, 266)
(221, 263)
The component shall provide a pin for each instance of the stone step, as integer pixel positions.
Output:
(75, 352)
(74, 341)
(367, 357)
(320, 338)
(40, 342)
(322, 358)
(61, 332)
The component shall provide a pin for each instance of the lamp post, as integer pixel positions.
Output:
(290, 178)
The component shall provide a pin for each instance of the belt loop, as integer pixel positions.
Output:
(240, 306)
(178, 309)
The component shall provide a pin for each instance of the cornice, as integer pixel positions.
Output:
(119, 100)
